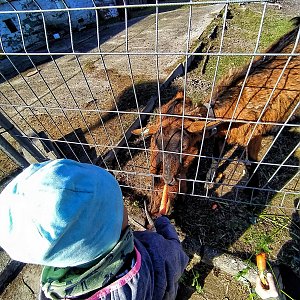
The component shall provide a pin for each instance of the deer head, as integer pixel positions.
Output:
(173, 145)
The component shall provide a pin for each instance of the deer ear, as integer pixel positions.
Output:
(179, 95)
(145, 131)
(196, 126)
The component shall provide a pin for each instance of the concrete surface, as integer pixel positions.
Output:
(141, 38)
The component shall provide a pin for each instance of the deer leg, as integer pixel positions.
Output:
(218, 144)
(183, 184)
(253, 150)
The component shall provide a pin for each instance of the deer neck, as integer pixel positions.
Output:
(225, 110)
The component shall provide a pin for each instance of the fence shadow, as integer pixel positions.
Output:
(127, 102)
(221, 224)
(290, 252)
(142, 93)
(71, 146)
(202, 222)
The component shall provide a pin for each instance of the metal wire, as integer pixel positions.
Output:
(24, 99)
(270, 97)
(212, 89)
(158, 90)
(149, 53)
(70, 9)
(111, 91)
(185, 81)
(24, 47)
(242, 88)
(133, 85)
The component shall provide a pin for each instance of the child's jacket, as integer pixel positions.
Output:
(160, 262)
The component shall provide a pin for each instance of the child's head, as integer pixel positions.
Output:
(61, 213)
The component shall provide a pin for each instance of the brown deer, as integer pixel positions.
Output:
(262, 99)
(270, 95)
(169, 139)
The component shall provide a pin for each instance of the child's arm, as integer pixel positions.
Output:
(167, 257)
(166, 229)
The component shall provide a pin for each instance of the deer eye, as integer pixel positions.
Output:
(184, 146)
(185, 142)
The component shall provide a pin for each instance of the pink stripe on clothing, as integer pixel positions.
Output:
(121, 281)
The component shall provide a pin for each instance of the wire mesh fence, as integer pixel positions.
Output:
(78, 76)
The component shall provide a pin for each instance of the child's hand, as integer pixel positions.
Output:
(265, 294)
(157, 215)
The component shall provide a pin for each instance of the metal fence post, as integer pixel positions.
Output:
(24, 142)
(13, 153)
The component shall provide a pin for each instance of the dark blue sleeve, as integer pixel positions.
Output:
(166, 229)
(167, 257)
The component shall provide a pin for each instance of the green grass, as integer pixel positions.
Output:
(273, 230)
(261, 235)
(196, 284)
(270, 234)
(241, 36)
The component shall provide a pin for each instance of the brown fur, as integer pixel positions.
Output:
(168, 164)
(262, 78)
(167, 135)
(258, 88)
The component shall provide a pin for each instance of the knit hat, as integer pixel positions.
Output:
(60, 213)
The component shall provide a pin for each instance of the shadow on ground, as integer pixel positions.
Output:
(220, 224)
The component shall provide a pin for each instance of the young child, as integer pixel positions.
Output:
(70, 218)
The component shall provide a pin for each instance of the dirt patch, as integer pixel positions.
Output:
(216, 285)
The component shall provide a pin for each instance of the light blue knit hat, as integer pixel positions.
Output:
(60, 213)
